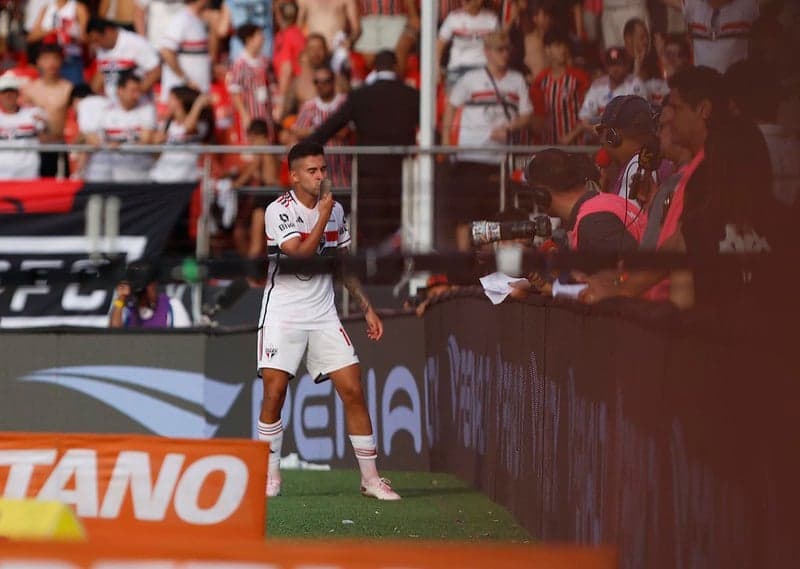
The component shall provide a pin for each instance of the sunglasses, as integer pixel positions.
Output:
(323, 81)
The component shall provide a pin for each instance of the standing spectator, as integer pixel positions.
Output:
(385, 112)
(316, 55)
(131, 121)
(90, 109)
(626, 127)
(19, 126)
(645, 61)
(382, 23)
(50, 92)
(247, 82)
(527, 39)
(675, 55)
(329, 17)
(558, 91)
(618, 81)
(314, 113)
(121, 12)
(185, 50)
(153, 18)
(496, 105)
(720, 29)
(237, 13)
(616, 13)
(464, 30)
(120, 51)
(190, 121)
(289, 45)
(64, 22)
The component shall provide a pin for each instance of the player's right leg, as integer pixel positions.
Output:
(279, 353)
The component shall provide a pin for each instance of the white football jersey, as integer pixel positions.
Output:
(132, 52)
(600, 94)
(21, 129)
(297, 300)
(125, 127)
(467, 33)
(90, 114)
(483, 109)
(187, 36)
(720, 37)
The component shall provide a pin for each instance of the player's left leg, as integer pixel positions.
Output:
(331, 354)
(347, 382)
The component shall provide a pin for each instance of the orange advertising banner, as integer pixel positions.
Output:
(274, 554)
(125, 485)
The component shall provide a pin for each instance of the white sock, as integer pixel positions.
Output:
(366, 452)
(273, 434)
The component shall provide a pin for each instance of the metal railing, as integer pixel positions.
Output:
(417, 217)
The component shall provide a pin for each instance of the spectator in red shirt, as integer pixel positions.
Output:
(558, 91)
(248, 82)
(289, 45)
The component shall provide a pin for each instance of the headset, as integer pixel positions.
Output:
(613, 137)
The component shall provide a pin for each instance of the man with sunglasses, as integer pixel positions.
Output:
(315, 112)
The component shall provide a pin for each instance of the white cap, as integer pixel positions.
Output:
(9, 81)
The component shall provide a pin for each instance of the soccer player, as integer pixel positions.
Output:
(298, 314)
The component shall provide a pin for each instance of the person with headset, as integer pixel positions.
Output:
(565, 186)
(627, 132)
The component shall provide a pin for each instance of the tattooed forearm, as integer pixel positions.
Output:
(354, 288)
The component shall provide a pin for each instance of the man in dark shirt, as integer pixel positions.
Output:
(594, 221)
(385, 112)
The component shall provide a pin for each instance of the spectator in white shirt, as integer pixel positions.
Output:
(190, 122)
(19, 126)
(618, 81)
(616, 13)
(131, 122)
(185, 50)
(465, 31)
(496, 106)
(720, 29)
(120, 51)
(89, 112)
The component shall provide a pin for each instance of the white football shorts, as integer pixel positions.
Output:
(328, 349)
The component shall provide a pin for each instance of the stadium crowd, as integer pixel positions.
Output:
(122, 72)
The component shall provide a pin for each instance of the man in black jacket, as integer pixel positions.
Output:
(385, 112)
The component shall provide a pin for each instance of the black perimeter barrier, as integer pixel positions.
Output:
(670, 435)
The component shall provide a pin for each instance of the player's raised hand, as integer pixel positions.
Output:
(325, 205)
(374, 325)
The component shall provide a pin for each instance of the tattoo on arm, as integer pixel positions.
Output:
(354, 288)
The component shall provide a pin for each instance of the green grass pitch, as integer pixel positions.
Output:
(434, 507)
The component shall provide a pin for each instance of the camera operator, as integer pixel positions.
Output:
(140, 305)
(627, 132)
(565, 185)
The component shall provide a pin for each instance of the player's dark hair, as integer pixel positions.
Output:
(258, 127)
(99, 25)
(303, 150)
(246, 31)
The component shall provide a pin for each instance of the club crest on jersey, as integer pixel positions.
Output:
(270, 352)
